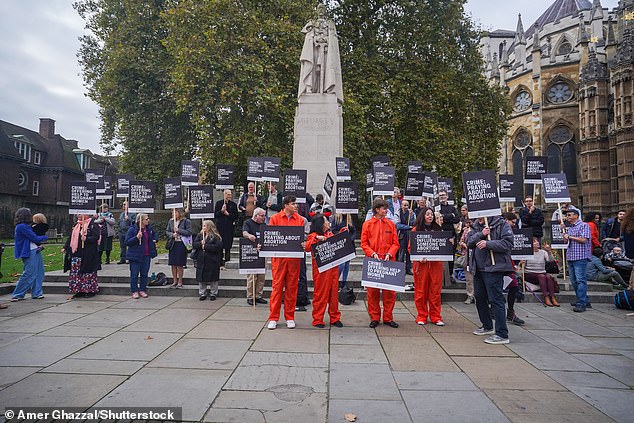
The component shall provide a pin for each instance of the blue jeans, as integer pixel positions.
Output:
(487, 288)
(139, 267)
(343, 270)
(579, 280)
(32, 268)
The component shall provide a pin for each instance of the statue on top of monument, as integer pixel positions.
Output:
(320, 65)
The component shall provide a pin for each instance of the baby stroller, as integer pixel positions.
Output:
(623, 266)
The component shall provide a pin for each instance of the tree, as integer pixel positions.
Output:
(126, 70)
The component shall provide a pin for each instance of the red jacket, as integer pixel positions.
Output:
(280, 219)
(379, 236)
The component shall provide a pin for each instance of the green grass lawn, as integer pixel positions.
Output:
(53, 259)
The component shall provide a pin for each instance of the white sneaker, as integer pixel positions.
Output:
(290, 324)
(272, 324)
(420, 323)
(469, 300)
(440, 323)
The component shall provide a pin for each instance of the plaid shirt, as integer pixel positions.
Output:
(577, 250)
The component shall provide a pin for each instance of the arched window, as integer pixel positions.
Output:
(562, 152)
(519, 159)
(564, 48)
(560, 92)
(522, 100)
(500, 50)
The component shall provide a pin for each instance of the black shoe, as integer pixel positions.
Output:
(320, 325)
(300, 308)
(579, 309)
(90, 294)
(250, 301)
(261, 301)
(575, 305)
(374, 323)
(391, 324)
(202, 298)
(514, 319)
(212, 298)
(121, 262)
(337, 324)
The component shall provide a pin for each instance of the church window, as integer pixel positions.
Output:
(560, 93)
(564, 48)
(562, 152)
(522, 139)
(522, 101)
(560, 134)
(519, 160)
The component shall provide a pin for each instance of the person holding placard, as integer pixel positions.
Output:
(251, 231)
(226, 212)
(407, 218)
(465, 252)
(325, 283)
(141, 242)
(249, 201)
(272, 201)
(125, 221)
(488, 278)
(535, 272)
(379, 240)
(427, 276)
(208, 257)
(532, 217)
(82, 252)
(106, 220)
(285, 270)
(338, 224)
(579, 252)
(178, 227)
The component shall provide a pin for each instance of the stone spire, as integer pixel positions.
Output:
(594, 70)
(536, 46)
(582, 34)
(611, 38)
(597, 11)
(520, 43)
(520, 38)
(495, 71)
(504, 60)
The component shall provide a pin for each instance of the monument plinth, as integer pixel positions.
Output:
(319, 116)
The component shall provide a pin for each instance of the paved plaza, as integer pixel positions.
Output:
(219, 363)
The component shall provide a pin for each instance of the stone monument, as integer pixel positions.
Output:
(318, 117)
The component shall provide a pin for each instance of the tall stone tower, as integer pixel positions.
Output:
(318, 117)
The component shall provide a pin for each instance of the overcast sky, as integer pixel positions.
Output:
(40, 76)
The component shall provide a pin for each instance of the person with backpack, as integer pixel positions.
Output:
(141, 242)
(325, 283)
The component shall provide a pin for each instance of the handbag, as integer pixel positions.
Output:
(169, 244)
(188, 242)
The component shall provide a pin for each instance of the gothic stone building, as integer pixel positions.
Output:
(569, 77)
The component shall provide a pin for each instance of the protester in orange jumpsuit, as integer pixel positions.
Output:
(427, 275)
(326, 283)
(285, 270)
(379, 240)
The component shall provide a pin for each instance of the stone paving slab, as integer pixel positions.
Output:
(95, 367)
(616, 366)
(54, 389)
(362, 382)
(113, 318)
(194, 303)
(355, 318)
(505, 373)
(234, 415)
(545, 356)
(235, 313)
(82, 331)
(292, 340)
(573, 343)
(543, 406)
(170, 320)
(616, 403)
(255, 358)
(353, 336)
(10, 375)
(468, 345)
(193, 390)
(41, 351)
(433, 381)
(266, 377)
(81, 307)
(219, 354)
(218, 329)
(141, 346)
(451, 406)
(34, 323)
(416, 353)
(357, 354)
(613, 344)
(368, 411)
(11, 337)
(585, 379)
(153, 302)
(622, 330)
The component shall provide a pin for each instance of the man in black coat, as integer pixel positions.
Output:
(226, 212)
(533, 218)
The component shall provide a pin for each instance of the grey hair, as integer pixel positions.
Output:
(258, 210)
(22, 215)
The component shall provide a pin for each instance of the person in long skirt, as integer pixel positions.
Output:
(326, 283)
(141, 242)
(208, 254)
(82, 252)
(427, 276)
(177, 229)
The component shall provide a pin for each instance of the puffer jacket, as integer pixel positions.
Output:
(501, 243)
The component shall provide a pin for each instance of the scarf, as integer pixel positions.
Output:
(78, 229)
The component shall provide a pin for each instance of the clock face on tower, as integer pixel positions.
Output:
(559, 93)
(522, 101)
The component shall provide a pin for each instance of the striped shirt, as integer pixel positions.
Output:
(578, 250)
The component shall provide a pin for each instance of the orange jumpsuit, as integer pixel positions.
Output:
(379, 236)
(326, 287)
(285, 273)
(427, 289)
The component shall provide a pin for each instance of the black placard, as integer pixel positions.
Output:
(271, 169)
(446, 184)
(343, 169)
(481, 194)
(414, 166)
(334, 251)
(431, 245)
(347, 198)
(430, 185)
(225, 174)
(82, 198)
(173, 198)
(295, 184)
(106, 193)
(141, 197)
(414, 186)
(329, 185)
(388, 275)
(555, 187)
(282, 241)
(123, 185)
(369, 180)
(250, 262)
(190, 171)
(522, 244)
(380, 161)
(255, 168)
(96, 176)
(508, 189)
(535, 167)
(557, 237)
(383, 180)
(201, 202)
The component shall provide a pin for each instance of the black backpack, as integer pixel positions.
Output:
(347, 295)
(624, 299)
(160, 280)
